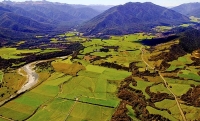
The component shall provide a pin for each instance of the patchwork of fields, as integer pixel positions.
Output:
(107, 79)
(13, 53)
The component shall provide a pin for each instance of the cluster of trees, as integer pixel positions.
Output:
(157, 97)
(192, 96)
(190, 40)
(156, 41)
(5, 63)
(114, 65)
(136, 99)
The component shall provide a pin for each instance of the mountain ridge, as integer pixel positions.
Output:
(188, 9)
(144, 16)
(41, 17)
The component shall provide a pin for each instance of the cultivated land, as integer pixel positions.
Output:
(13, 53)
(58, 64)
(109, 79)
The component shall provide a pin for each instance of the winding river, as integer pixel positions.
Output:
(32, 77)
(31, 80)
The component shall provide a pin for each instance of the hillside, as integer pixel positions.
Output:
(190, 40)
(195, 13)
(40, 17)
(99, 8)
(15, 26)
(189, 9)
(59, 13)
(132, 17)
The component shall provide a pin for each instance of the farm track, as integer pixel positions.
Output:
(2, 79)
(166, 85)
(87, 103)
(72, 108)
(5, 118)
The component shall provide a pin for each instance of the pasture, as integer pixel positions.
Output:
(83, 88)
(13, 53)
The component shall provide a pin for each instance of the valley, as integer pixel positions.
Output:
(113, 66)
(89, 80)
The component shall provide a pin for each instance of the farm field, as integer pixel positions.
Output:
(195, 19)
(13, 53)
(10, 83)
(95, 83)
(162, 28)
(99, 61)
(1, 76)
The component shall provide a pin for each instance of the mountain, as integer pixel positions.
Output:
(11, 20)
(195, 13)
(22, 12)
(132, 17)
(189, 9)
(32, 17)
(99, 8)
(55, 13)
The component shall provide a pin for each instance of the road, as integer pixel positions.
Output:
(72, 108)
(166, 85)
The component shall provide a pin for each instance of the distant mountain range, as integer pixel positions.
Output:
(100, 8)
(132, 17)
(23, 19)
(41, 16)
(189, 9)
(58, 13)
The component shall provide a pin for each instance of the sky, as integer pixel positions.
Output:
(166, 3)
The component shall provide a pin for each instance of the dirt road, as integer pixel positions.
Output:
(166, 85)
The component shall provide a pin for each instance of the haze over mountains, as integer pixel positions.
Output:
(52, 13)
(189, 9)
(132, 17)
(40, 17)
(33, 17)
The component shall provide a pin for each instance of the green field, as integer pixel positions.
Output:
(85, 88)
(13, 53)
(141, 85)
(163, 28)
(11, 82)
(194, 19)
(97, 92)
(34, 99)
(1, 76)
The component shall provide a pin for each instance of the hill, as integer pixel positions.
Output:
(15, 26)
(132, 17)
(190, 40)
(56, 13)
(189, 9)
(195, 13)
(16, 22)
(99, 8)
(32, 17)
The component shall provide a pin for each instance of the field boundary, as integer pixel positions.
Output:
(1, 81)
(166, 84)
